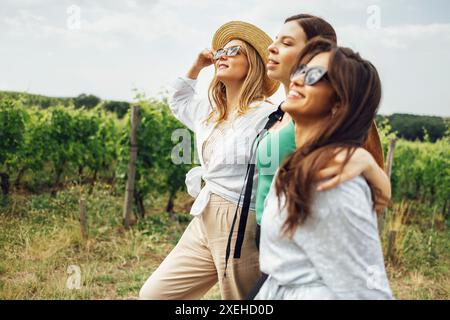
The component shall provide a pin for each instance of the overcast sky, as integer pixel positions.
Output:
(117, 46)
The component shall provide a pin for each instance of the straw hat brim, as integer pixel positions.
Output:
(254, 36)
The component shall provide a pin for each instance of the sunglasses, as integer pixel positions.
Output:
(312, 74)
(229, 52)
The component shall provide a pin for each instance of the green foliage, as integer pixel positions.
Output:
(155, 171)
(57, 142)
(414, 127)
(88, 101)
(35, 100)
(386, 134)
(119, 107)
(29, 100)
(12, 130)
(422, 171)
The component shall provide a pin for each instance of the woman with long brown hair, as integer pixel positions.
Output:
(324, 245)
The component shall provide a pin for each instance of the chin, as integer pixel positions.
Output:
(221, 77)
(227, 78)
(273, 74)
(291, 107)
(224, 74)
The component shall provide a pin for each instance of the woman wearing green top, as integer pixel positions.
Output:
(279, 141)
(276, 143)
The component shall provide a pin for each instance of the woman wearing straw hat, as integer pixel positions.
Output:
(225, 128)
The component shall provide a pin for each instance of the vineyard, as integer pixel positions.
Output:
(45, 150)
(52, 157)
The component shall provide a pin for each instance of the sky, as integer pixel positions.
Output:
(111, 48)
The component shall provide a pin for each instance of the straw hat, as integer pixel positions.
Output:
(254, 36)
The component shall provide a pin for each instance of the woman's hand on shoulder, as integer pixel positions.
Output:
(360, 163)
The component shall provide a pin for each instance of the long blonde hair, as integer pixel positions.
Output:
(252, 89)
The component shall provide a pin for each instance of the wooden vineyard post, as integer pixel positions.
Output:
(390, 161)
(392, 235)
(390, 156)
(129, 191)
(83, 219)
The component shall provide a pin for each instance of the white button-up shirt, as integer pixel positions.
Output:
(225, 172)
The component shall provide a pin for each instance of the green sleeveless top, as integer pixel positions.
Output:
(273, 148)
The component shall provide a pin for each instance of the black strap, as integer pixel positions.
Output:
(257, 287)
(257, 235)
(247, 190)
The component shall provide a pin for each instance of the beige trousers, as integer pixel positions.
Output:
(198, 260)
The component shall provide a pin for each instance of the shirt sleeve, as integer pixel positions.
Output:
(184, 106)
(342, 242)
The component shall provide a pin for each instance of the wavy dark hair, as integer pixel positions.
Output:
(357, 88)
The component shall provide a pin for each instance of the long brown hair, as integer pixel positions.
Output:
(357, 89)
(314, 26)
(252, 89)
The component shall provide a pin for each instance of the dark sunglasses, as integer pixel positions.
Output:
(312, 74)
(229, 52)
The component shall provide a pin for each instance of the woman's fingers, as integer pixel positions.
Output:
(355, 166)
(211, 57)
(329, 184)
(335, 181)
(205, 58)
(327, 173)
(340, 156)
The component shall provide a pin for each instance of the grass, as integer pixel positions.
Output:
(40, 238)
(419, 267)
